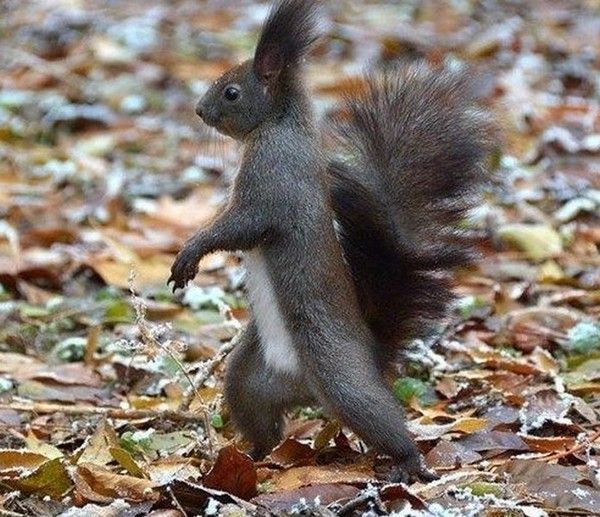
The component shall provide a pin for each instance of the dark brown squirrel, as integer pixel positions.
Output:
(332, 302)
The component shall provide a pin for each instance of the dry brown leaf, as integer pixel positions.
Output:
(48, 450)
(448, 454)
(100, 485)
(36, 390)
(152, 271)
(286, 500)
(549, 443)
(13, 364)
(234, 473)
(291, 451)
(318, 475)
(15, 462)
(424, 430)
(70, 374)
(97, 449)
(192, 212)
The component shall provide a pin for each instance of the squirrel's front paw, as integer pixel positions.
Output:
(184, 268)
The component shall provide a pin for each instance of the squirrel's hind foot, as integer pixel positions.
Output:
(409, 473)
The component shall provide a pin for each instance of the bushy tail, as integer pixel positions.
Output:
(415, 147)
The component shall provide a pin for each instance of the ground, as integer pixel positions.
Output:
(110, 386)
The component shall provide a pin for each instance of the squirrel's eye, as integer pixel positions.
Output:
(231, 93)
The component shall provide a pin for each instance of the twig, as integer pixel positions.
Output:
(370, 494)
(148, 338)
(576, 448)
(176, 502)
(118, 413)
(355, 503)
(208, 369)
(152, 344)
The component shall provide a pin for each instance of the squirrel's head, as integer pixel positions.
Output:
(258, 89)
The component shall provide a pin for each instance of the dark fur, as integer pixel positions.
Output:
(288, 34)
(281, 206)
(417, 145)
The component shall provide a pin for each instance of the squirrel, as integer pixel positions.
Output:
(343, 257)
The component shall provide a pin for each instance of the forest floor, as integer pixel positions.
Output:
(105, 170)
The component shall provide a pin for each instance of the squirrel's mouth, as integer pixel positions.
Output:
(207, 115)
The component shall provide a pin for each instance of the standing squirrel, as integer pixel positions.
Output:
(343, 257)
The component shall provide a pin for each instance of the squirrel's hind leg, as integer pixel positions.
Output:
(348, 381)
(258, 396)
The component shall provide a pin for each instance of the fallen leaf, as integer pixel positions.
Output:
(18, 461)
(285, 500)
(166, 470)
(123, 458)
(498, 441)
(328, 433)
(234, 473)
(152, 271)
(70, 374)
(557, 486)
(46, 449)
(100, 485)
(539, 241)
(544, 406)
(49, 479)
(549, 443)
(97, 449)
(12, 363)
(36, 390)
(448, 454)
(430, 431)
(297, 477)
(291, 451)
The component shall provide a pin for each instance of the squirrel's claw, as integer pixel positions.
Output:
(183, 269)
(409, 473)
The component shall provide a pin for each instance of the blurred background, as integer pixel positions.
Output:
(105, 170)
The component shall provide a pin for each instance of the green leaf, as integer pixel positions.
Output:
(217, 421)
(4, 294)
(70, 349)
(328, 433)
(136, 441)
(49, 479)
(310, 413)
(171, 442)
(34, 311)
(408, 387)
(481, 489)
(468, 305)
(124, 458)
(118, 311)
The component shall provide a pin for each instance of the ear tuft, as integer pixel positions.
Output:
(288, 34)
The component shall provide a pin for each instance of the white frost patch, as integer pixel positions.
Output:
(421, 353)
(213, 507)
(536, 420)
(465, 494)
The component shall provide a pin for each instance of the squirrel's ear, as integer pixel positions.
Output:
(287, 35)
(268, 65)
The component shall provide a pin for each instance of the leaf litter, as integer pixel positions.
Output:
(111, 387)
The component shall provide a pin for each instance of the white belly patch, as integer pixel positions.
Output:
(275, 340)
